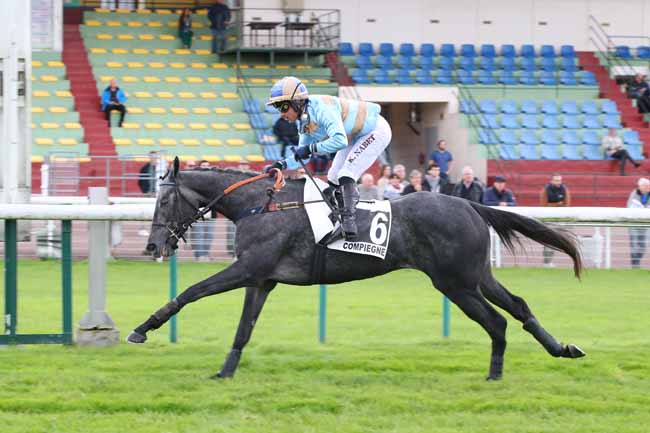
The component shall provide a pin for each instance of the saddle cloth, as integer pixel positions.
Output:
(373, 218)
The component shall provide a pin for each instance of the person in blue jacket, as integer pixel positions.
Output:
(113, 98)
(352, 129)
(498, 195)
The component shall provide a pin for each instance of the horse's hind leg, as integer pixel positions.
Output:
(517, 307)
(253, 303)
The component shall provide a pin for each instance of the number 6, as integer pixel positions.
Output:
(379, 224)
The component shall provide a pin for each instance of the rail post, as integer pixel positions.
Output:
(322, 313)
(11, 270)
(66, 279)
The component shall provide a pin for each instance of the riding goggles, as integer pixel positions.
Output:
(283, 106)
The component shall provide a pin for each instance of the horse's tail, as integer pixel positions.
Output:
(507, 223)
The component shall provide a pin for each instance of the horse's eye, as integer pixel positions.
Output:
(164, 202)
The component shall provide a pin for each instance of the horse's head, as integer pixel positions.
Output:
(175, 207)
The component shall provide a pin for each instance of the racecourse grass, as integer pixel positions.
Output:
(384, 368)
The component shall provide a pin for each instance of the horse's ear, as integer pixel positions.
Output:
(177, 164)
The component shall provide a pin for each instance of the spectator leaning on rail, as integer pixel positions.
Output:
(416, 183)
(498, 195)
(352, 129)
(469, 187)
(554, 194)
(434, 180)
(113, 98)
(614, 148)
(639, 199)
(394, 187)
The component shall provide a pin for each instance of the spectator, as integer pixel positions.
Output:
(639, 90)
(469, 187)
(203, 231)
(368, 190)
(554, 194)
(190, 164)
(498, 195)
(433, 178)
(640, 199)
(416, 183)
(614, 148)
(185, 32)
(219, 16)
(287, 133)
(400, 171)
(394, 188)
(384, 177)
(147, 178)
(443, 158)
(113, 98)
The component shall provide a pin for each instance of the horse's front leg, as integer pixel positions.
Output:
(233, 277)
(253, 303)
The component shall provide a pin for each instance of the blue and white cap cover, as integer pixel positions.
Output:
(287, 89)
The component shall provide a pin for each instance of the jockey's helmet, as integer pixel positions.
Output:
(288, 89)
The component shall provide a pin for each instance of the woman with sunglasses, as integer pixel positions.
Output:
(352, 129)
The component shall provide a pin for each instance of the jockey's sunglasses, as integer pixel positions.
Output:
(282, 107)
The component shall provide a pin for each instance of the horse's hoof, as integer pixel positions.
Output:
(136, 338)
(493, 378)
(574, 351)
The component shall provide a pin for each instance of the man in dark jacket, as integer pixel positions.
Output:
(147, 179)
(469, 187)
(416, 183)
(219, 16)
(287, 133)
(554, 194)
(498, 195)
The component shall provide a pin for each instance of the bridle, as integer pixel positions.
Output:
(177, 230)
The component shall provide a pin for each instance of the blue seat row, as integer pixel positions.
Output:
(449, 50)
(550, 152)
(623, 51)
(507, 106)
(467, 63)
(533, 121)
(550, 137)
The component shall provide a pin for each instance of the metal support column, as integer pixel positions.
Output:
(66, 279)
(11, 270)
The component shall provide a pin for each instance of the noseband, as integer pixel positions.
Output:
(177, 230)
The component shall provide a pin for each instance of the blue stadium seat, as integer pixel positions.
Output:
(405, 62)
(487, 136)
(427, 50)
(385, 62)
(569, 107)
(635, 152)
(487, 63)
(444, 77)
(622, 51)
(508, 63)
(592, 152)
(382, 77)
(529, 137)
(612, 121)
(570, 122)
(386, 49)
(508, 136)
(609, 107)
(271, 153)
(643, 52)
(527, 50)
(527, 151)
(632, 138)
(547, 51)
(590, 107)
(466, 63)
(446, 63)
(548, 64)
(509, 121)
(465, 77)
(590, 138)
(547, 78)
(403, 77)
(488, 50)
(258, 121)
(489, 121)
(550, 137)
(529, 121)
(448, 50)
(549, 107)
(570, 138)
(529, 107)
(507, 152)
(550, 152)
(407, 49)
(528, 64)
(591, 122)
(568, 64)
(468, 107)
(528, 78)
(570, 152)
(507, 78)
(360, 76)
(426, 63)
(366, 49)
(252, 106)
(486, 77)
(345, 49)
(508, 106)
(423, 76)
(588, 79)
(467, 50)
(567, 51)
(364, 62)
(550, 122)
(568, 79)
(508, 50)
(271, 109)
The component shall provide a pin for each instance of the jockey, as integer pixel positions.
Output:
(352, 129)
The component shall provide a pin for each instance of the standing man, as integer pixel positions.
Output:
(639, 199)
(287, 133)
(498, 195)
(219, 16)
(443, 158)
(468, 188)
(147, 178)
(554, 194)
(113, 98)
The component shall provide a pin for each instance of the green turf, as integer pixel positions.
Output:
(384, 368)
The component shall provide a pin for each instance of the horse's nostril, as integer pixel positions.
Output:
(151, 247)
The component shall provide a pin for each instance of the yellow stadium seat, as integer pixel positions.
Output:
(134, 110)
(157, 110)
(200, 110)
(176, 125)
(146, 37)
(143, 11)
(134, 65)
(281, 66)
(154, 24)
(38, 109)
(144, 141)
(181, 51)
(67, 141)
(102, 10)
(93, 23)
(177, 65)
(186, 95)
(241, 126)
(258, 81)
(44, 141)
(255, 158)
(113, 24)
(303, 67)
(156, 65)
(63, 94)
(235, 142)
(49, 78)
(167, 37)
(223, 110)
(142, 95)
(40, 94)
(235, 80)
(198, 65)
(58, 110)
(129, 79)
(113, 64)
(190, 142)
(37, 159)
(55, 64)
(163, 51)
(165, 95)
(150, 79)
(219, 66)
(232, 158)
(125, 37)
(173, 79)
(72, 125)
(134, 24)
(167, 142)
(320, 81)
(212, 142)
(131, 125)
(211, 158)
(98, 51)
(123, 11)
(202, 52)
(119, 51)
(49, 125)
(229, 95)
(261, 67)
(202, 12)
(152, 125)
(215, 80)
(198, 126)
(33, 125)
(194, 79)
(197, 25)
(104, 36)
(106, 78)
(83, 159)
(163, 11)
(140, 51)
(122, 141)
(220, 126)
(208, 95)
(243, 66)
(179, 110)
(205, 38)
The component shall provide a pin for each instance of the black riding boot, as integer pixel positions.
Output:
(333, 194)
(350, 197)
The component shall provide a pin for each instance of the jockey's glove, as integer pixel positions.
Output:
(281, 165)
(303, 152)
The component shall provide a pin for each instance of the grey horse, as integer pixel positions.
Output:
(278, 247)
